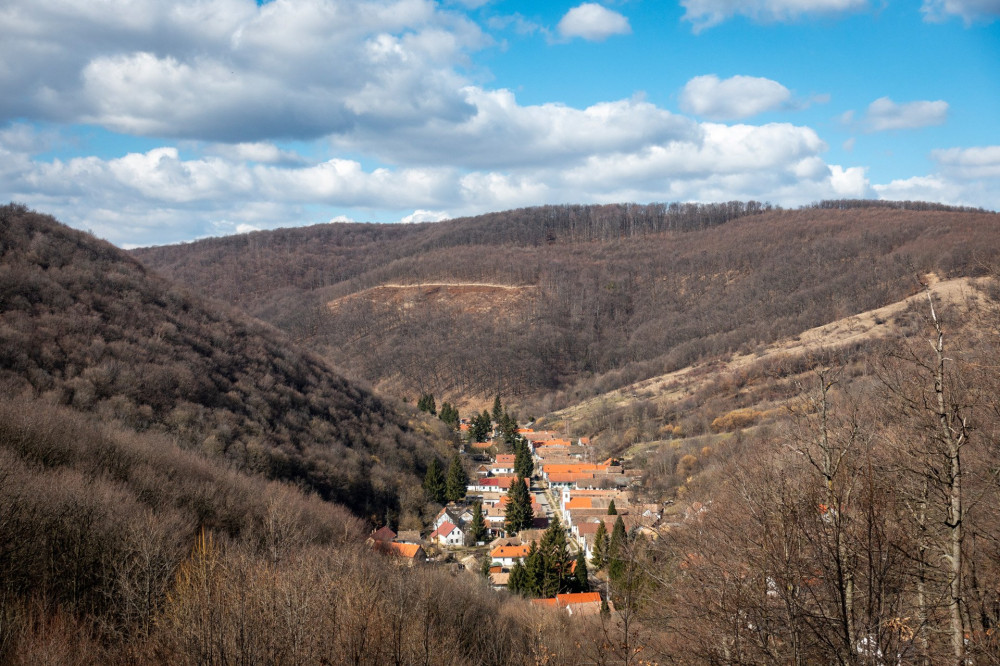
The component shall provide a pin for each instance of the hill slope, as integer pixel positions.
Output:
(617, 293)
(84, 325)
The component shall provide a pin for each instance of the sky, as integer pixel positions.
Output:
(149, 122)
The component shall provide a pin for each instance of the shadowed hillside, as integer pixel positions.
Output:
(617, 293)
(84, 325)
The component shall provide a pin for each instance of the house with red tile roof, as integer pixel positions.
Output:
(448, 534)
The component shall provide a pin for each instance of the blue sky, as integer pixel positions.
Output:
(150, 122)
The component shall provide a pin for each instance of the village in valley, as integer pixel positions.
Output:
(531, 511)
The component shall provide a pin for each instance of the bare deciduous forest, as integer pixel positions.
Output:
(170, 468)
(620, 293)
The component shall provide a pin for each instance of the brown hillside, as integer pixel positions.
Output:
(619, 293)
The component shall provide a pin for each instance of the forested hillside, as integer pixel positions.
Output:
(612, 294)
(85, 326)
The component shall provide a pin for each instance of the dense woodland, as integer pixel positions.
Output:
(86, 326)
(617, 293)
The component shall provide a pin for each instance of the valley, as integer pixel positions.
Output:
(705, 425)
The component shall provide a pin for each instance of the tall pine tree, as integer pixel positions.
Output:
(477, 529)
(434, 484)
(524, 466)
(519, 514)
(581, 574)
(599, 553)
(554, 561)
(497, 409)
(457, 481)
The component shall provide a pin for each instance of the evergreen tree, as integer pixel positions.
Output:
(457, 483)
(434, 484)
(477, 529)
(516, 582)
(617, 544)
(497, 409)
(484, 568)
(426, 403)
(534, 572)
(449, 414)
(554, 559)
(599, 553)
(508, 428)
(581, 574)
(479, 428)
(612, 511)
(518, 514)
(524, 466)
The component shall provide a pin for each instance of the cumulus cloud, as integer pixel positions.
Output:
(501, 133)
(734, 98)
(160, 196)
(232, 71)
(964, 177)
(592, 22)
(707, 13)
(884, 114)
(970, 11)
(262, 152)
(969, 163)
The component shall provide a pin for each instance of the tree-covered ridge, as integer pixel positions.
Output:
(617, 293)
(83, 324)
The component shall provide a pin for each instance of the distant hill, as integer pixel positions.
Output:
(85, 326)
(612, 294)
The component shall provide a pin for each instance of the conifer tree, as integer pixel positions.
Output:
(524, 466)
(484, 568)
(612, 511)
(581, 574)
(599, 553)
(477, 529)
(516, 581)
(518, 514)
(497, 409)
(534, 572)
(449, 414)
(434, 484)
(616, 546)
(554, 560)
(457, 482)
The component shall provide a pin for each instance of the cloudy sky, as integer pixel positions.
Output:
(156, 121)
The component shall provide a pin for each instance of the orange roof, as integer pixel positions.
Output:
(579, 503)
(482, 445)
(555, 442)
(505, 458)
(544, 602)
(563, 468)
(578, 598)
(572, 477)
(522, 431)
(501, 552)
(408, 550)
(463, 426)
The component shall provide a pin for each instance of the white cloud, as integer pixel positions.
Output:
(232, 71)
(502, 134)
(964, 177)
(884, 114)
(707, 13)
(262, 152)
(969, 163)
(969, 10)
(424, 216)
(592, 22)
(734, 98)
